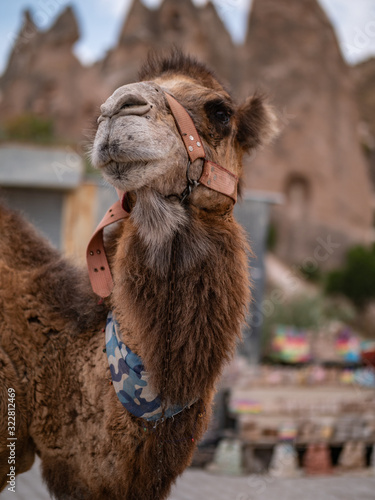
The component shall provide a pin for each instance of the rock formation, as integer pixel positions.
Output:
(291, 52)
(196, 30)
(364, 74)
(44, 78)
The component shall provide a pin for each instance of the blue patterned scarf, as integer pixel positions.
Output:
(130, 379)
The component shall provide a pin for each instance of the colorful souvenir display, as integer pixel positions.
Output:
(290, 345)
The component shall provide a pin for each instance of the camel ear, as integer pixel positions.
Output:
(257, 123)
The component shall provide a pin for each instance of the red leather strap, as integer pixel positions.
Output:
(213, 176)
(186, 127)
(97, 263)
(219, 179)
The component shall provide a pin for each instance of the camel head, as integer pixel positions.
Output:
(138, 146)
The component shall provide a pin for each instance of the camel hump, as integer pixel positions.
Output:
(21, 246)
(47, 276)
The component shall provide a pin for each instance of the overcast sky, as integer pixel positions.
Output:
(101, 20)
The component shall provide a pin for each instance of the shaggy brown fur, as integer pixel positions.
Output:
(178, 63)
(51, 327)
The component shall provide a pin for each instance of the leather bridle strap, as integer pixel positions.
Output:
(213, 176)
(97, 262)
(187, 129)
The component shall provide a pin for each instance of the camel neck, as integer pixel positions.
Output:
(211, 296)
(131, 381)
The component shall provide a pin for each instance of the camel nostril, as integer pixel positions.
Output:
(133, 104)
(133, 100)
(128, 104)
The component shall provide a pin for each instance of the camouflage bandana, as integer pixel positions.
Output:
(130, 379)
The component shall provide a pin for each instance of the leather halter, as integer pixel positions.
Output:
(213, 176)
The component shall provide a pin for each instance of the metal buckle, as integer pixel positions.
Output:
(191, 184)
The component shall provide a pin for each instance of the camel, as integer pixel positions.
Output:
(176, 304)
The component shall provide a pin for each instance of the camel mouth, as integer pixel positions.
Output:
(115, 158)
(117, 169)
(120, 173)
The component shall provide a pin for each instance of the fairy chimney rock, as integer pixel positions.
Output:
(364, 74)
(21, 51)
(138, 25)
(317, 160)
(222, 53)
(178, 17)
(64, 31)
(43, 75)
(181, 24)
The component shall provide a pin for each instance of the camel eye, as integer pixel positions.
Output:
(218, 112)
(223, 117)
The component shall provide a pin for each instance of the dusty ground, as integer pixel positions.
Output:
(199, 485)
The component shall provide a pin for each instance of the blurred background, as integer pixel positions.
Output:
(299, 397)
